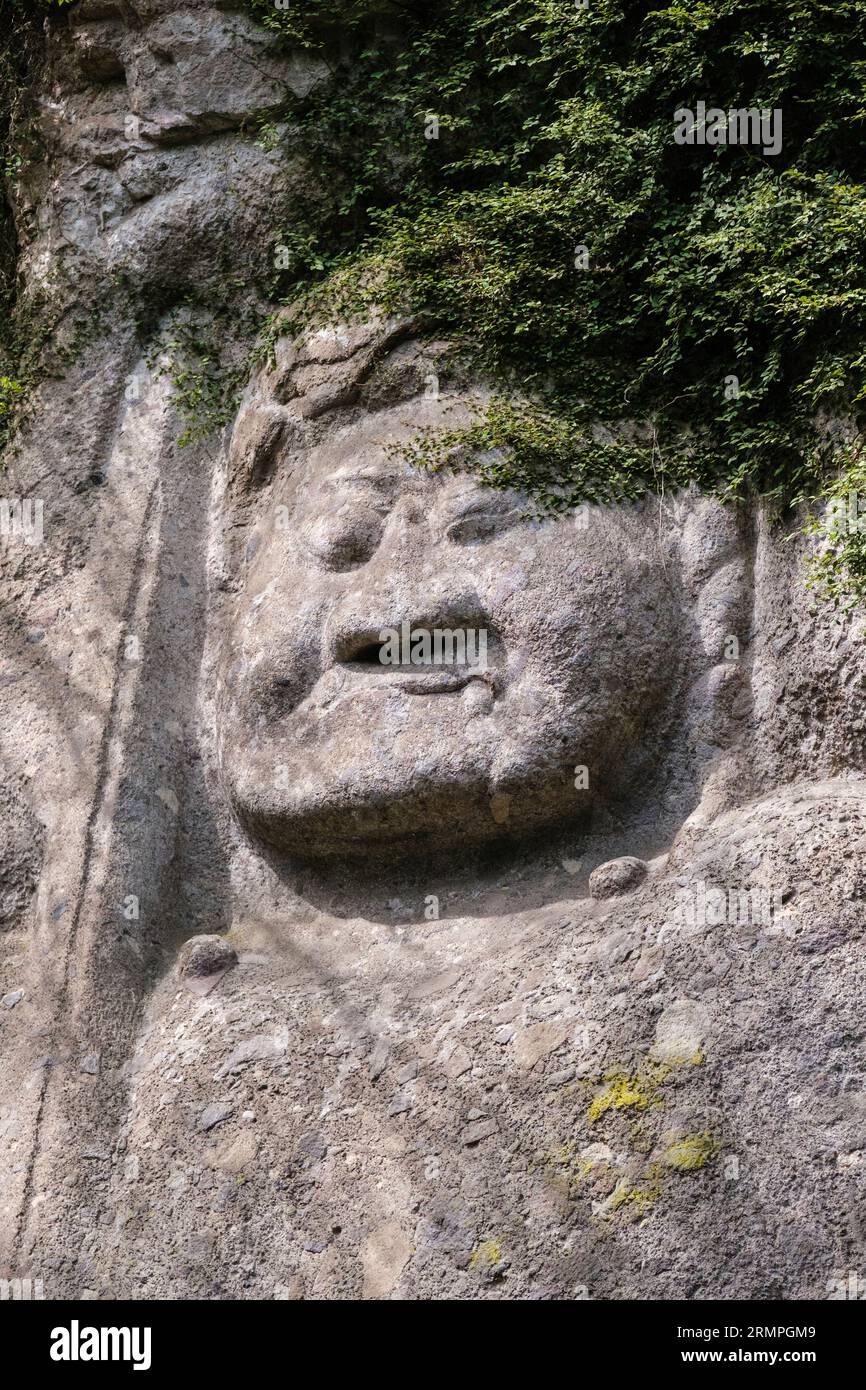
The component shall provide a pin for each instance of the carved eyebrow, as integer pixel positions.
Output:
(380, 482)
(469, 503)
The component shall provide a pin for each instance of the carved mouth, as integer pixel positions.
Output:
(366, 655)
(456, 658)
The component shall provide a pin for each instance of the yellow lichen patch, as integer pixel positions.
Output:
(486, 1255)
(550, 1160)
(620, 1091)
(623, 1091)
(559, 1155)
(692, 1152)
(639, 1200)
(567, 1170)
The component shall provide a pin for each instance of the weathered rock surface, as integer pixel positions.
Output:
(466, 1047)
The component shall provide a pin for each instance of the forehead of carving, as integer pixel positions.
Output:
(345, 349)
(348, 366)
(372, 444)
(338, 342)
(366, 392)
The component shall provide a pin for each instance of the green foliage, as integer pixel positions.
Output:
(10, 393)
(705, 263)
(838, 569)
(203, 352)
(307, 23)
(19, 36)
(202, 390)
(18, 41)
(558, 461)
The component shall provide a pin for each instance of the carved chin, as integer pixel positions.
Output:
(373, 815)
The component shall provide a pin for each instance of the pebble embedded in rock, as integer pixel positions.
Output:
(457, 1063)
(207, 955)
(379, 1059)
(291, 1292)
(617, 876)
(481, 1129)
(214, 1115)
(258, 1049)
(401, 1104)
(12, 998)
(312, 1146)
(559, 1078)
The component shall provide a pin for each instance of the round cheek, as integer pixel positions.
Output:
(520, 587)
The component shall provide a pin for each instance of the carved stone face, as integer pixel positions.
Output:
(327, 751)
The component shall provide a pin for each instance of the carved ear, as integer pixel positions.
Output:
(247, 466)
(713, 549)
(713, 546)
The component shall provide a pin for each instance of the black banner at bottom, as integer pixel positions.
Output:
(83, 1339)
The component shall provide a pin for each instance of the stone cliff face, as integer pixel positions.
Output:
(447, 1044)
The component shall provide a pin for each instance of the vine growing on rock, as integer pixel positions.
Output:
(506, 170)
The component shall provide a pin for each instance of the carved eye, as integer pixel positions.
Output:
(480, 526)
(346, 540)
